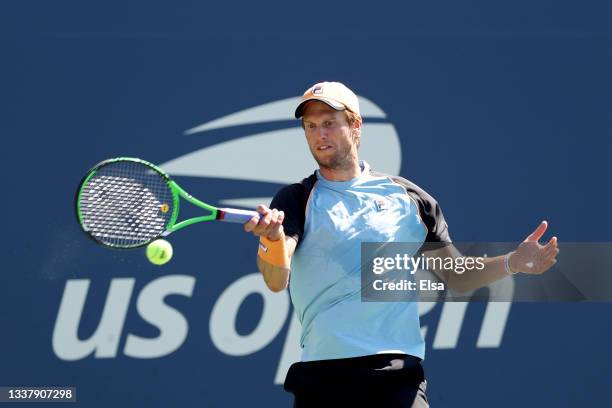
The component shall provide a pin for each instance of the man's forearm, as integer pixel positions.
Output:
(276, 277)
(274, 260)
(494, 270)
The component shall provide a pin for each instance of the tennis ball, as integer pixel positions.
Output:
(159, 252)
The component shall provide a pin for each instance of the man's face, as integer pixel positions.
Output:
(332, 141)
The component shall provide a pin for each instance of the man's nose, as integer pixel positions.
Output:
(322, 133)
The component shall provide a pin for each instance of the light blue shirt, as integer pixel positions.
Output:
(325, 281)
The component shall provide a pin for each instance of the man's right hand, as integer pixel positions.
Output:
(269, 224)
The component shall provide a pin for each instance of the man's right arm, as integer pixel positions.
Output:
(277, 276)
(275, 249)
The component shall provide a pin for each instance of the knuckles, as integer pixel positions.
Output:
(270, 220)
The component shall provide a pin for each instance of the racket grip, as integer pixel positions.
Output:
(234, 215)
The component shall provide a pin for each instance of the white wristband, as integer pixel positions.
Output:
(507, 265)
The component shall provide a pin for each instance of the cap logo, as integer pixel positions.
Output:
(317, 89)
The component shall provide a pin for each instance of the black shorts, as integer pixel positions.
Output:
(382, 381)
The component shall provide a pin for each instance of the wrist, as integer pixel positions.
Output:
(275, 236)
(273, 252)
(507, 264)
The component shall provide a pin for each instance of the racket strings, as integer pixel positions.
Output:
(126, 204)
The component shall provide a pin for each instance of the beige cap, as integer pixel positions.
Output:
(335, 94)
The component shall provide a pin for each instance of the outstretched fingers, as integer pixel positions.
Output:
(538, 232)
(551, 248)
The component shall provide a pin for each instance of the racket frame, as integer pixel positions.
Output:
(176, 190)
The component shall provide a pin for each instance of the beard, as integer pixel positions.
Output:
(342, 159)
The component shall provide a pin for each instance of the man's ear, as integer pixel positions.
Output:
(357, 128)
(356, 131)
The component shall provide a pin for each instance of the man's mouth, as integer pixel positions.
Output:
(324, 147)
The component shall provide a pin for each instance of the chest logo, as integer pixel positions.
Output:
(381, 204)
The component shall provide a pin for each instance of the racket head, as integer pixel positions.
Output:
(126, 203)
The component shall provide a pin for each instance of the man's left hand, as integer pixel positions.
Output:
(532, 257)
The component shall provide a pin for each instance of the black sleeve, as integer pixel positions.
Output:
(292, 201)
(430, 211)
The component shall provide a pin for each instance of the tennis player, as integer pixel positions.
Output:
(358, 353)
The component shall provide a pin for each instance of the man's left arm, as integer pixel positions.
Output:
(529, 257)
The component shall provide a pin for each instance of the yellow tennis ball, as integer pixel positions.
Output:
(159, 252)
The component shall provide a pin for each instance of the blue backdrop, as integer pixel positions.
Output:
(500, 111)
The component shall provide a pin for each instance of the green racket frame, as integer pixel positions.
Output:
(176, 190)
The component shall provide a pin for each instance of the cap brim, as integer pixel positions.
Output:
(299, 111)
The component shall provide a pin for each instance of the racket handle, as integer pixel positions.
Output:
(234, 215)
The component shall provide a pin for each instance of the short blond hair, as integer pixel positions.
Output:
(352, 117)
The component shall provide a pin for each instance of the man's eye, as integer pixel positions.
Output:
(329, 123)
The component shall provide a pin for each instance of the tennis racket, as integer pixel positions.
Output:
(127, 203)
